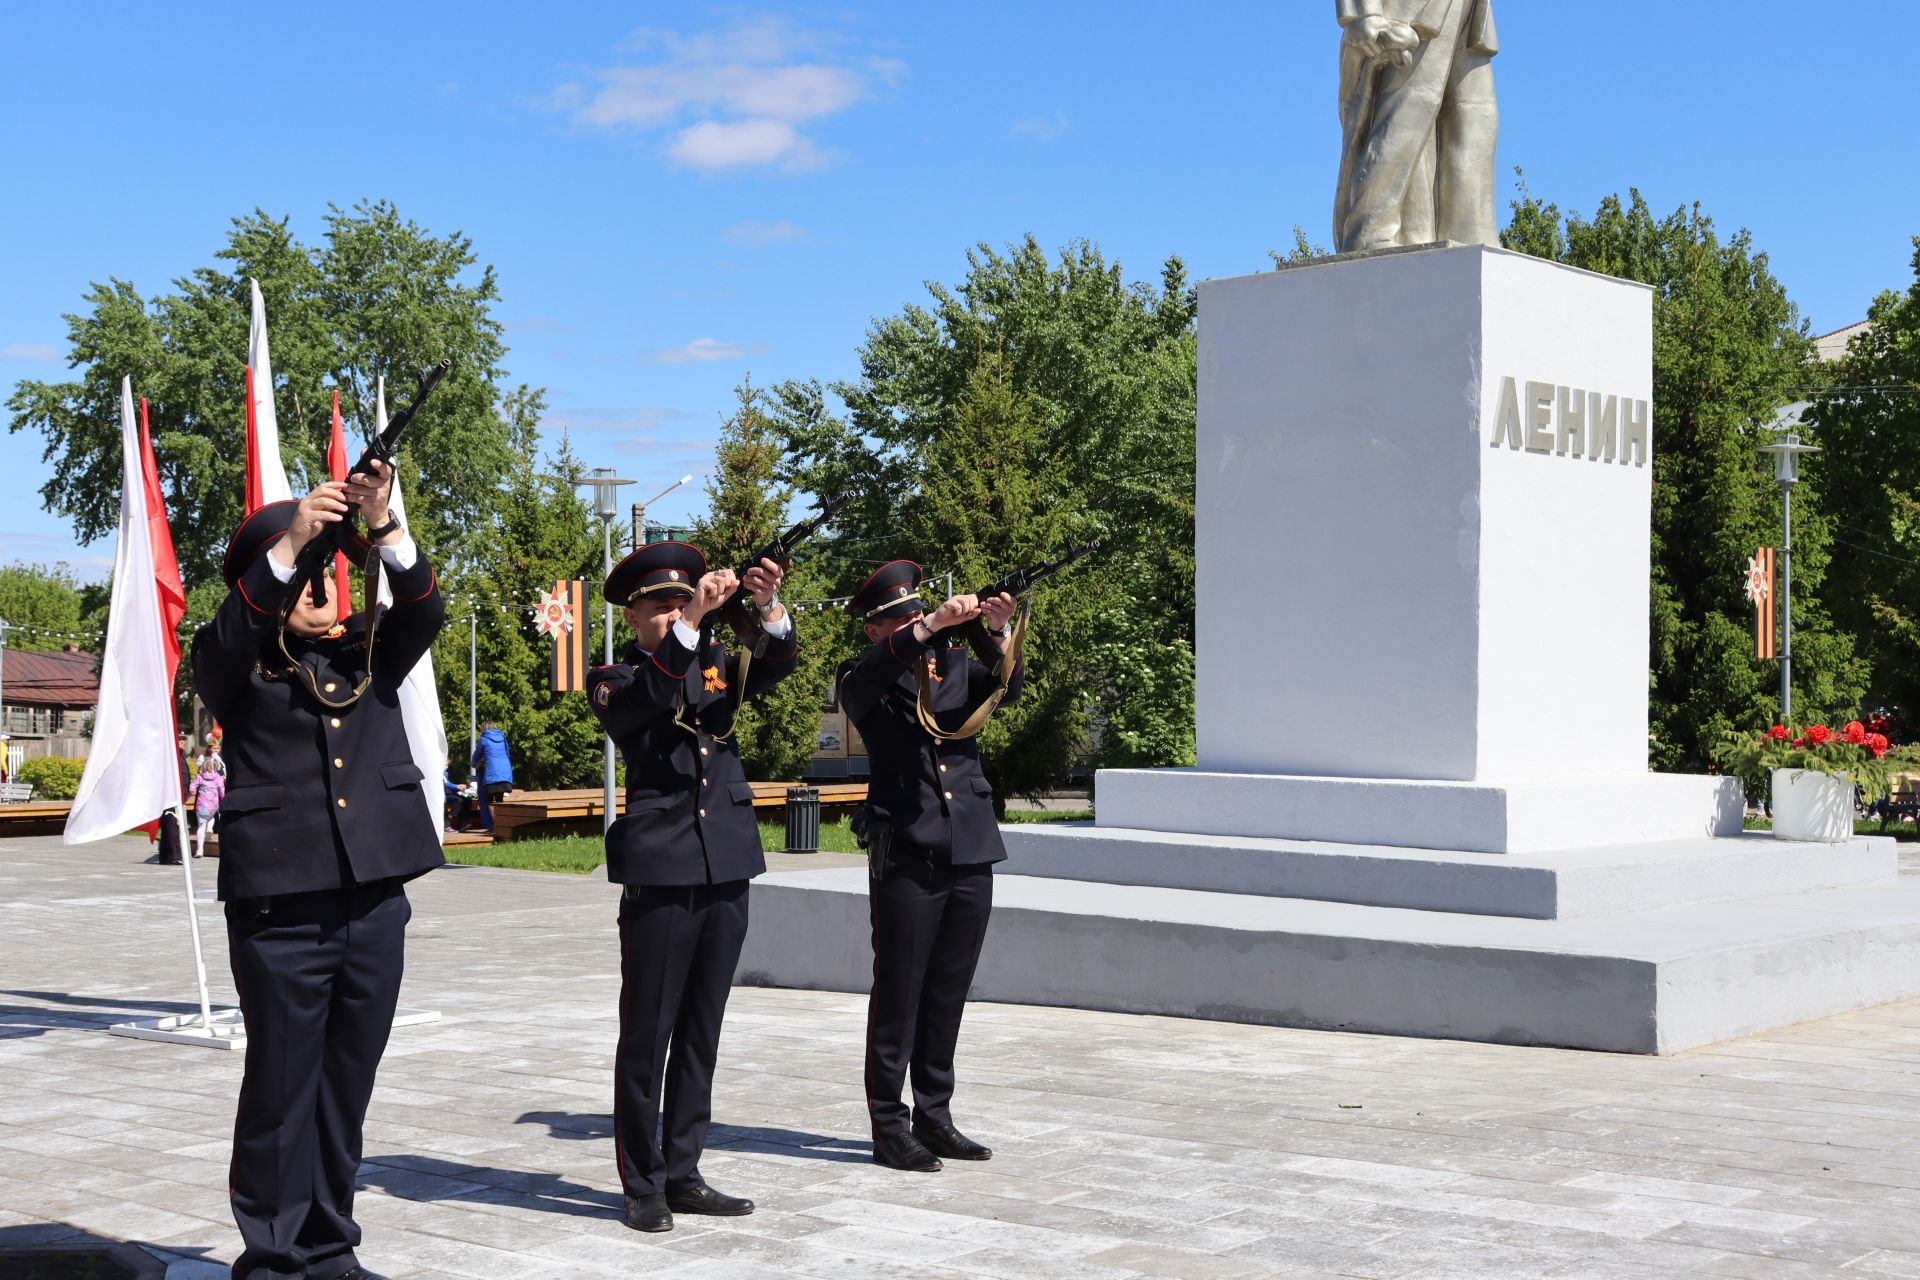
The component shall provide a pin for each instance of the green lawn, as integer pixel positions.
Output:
(1864, 827)
(583, 854)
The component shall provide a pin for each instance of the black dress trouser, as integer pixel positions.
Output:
(319, 976)
(679, 946)
(929, 919)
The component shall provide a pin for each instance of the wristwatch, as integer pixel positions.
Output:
(393, 522)
(773, 602)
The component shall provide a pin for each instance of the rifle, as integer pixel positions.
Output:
(1003, 664)
(1021, 581)
(1016, 584)
(737, 609)
(311, 566)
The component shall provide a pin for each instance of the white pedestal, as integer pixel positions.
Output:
(1383, 593)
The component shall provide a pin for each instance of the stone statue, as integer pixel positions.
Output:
(1418, 123)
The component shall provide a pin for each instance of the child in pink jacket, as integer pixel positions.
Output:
(206, 792)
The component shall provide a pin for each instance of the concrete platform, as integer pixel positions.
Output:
(1651, 981)
(1484, 816)
(1544, 886)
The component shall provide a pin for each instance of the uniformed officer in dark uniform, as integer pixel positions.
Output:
(684, 852)
(323, 823)
(932, 841)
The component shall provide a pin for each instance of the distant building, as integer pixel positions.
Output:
(1829, 347)
(47, 700)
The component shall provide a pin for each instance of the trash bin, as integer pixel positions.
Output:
(803, 819)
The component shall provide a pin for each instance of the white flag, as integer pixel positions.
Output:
(266, 478)
(419, 700)
(133, 764)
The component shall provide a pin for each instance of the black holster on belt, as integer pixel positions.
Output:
(874, 836)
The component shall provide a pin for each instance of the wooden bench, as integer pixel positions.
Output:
(37, 818)
(1899, 806)
(15, 792)
(578, 811)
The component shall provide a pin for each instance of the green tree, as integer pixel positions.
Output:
(1097, 377)
(380, 296)
(544, 533)
(1729, 351)
(1869, 467)
(778, 732)
(984, 503)
(35, 599)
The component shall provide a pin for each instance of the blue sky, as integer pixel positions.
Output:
(675, 196)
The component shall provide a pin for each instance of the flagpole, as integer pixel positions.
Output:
(179, 817)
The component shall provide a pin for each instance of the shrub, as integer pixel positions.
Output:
(53, 777)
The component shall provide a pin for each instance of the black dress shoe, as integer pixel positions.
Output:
(704, 1199)
(904, 1151)
(945, 1140)
(649, 1213)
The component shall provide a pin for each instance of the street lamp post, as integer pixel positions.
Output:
(606, 505)
(1786, 453)
(473, 678)
(640, 512)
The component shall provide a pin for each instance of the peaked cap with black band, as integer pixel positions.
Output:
(256, 533)
(892, 592)
(659, 570)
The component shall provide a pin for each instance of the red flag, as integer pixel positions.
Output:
(166, 567)
(337, 469)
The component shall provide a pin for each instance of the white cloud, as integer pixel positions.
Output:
(731, 144)
(756, 235)
(1041, 128)
(30, 352)
(728, 99)
(703, 351)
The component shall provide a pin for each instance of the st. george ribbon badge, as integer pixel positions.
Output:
(554, 612)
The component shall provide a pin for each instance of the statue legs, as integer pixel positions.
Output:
(1464, 137)
(1418, 158)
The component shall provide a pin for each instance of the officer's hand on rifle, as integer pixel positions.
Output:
(372, 493)
(326, 505)
(953, 612)
(997, 611)
(762, 582)
(708, 594)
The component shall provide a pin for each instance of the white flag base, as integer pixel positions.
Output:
(225, 1028)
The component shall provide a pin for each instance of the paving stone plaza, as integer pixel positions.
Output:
(1125, 1146)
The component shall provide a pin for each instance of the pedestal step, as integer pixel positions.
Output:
(1488, 816)
(1582, 882)
(1653, 981)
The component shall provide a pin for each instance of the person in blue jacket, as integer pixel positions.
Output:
(492, 770)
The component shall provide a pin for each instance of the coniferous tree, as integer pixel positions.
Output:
(544, 533)
(777, 732)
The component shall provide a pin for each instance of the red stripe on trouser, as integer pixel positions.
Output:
(619, 1053)
(873, 993)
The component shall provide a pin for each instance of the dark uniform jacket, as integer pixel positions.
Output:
(930, 791)
(316, 798)
(689, 817)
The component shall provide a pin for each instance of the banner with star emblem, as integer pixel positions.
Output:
(557, 615)
(1760, 591)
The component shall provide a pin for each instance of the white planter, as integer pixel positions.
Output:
(1812, 806)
